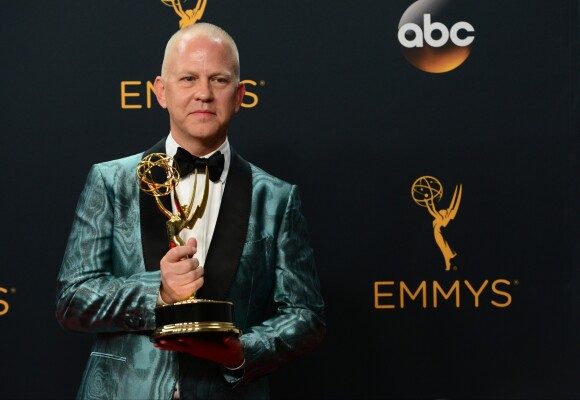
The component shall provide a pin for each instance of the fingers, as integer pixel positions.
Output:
(180, 252)
(227, 351)
(171, 345)
(178, 284)
(179, 262)
(232, 342)
(180, 273)
(190, 345)
(192, 242)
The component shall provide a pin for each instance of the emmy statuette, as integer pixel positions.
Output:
(191, 316)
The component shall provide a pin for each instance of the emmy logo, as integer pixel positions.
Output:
(188, 17)
(426, 191)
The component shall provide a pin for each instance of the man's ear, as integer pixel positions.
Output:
(240, 95)
(159, 88)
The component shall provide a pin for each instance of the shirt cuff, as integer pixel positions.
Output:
(242, 365)
(160, 301)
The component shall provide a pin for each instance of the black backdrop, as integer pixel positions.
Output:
(334, 92)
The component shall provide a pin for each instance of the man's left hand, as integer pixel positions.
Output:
(227, 350)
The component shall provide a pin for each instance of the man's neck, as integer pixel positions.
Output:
(199, 148)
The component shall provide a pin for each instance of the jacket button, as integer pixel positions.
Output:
(134, 322)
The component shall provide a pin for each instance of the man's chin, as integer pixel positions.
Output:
(205, 138)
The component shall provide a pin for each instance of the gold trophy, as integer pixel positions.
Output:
(192, 315)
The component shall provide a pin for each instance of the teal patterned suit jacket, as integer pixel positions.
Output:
(259, 259)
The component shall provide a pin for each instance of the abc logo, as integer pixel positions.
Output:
(432, 37)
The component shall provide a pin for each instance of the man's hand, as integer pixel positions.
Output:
(227, 350)
(181, 275)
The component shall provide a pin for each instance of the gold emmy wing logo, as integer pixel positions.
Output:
(391, 294)
(188, 17)
(426, 191)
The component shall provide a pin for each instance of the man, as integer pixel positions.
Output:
(118, 266)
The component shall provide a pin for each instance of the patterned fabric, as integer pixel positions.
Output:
(104, 288)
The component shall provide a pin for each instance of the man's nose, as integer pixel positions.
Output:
(203, 91)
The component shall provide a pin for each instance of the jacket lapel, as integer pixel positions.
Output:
(153, 222)
(230, 231)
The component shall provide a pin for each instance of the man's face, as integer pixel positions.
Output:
(201, 91)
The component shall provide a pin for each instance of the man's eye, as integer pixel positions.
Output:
(220, 80)
(187, 79)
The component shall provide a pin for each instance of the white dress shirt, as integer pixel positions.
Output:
(204, 227)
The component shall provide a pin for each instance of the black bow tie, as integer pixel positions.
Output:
(188, 163)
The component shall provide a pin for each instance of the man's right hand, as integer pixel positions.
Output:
(181, 274)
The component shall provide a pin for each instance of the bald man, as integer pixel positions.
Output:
(250, 247)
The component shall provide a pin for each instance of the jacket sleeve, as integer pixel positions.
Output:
(102, 285)
(297, 325)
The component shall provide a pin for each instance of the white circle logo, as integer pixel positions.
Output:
(432, 39)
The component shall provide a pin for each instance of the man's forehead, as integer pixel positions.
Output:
(193, 42)
(202, 51)
(203, 46)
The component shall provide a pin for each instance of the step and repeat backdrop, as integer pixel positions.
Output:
(436, 144)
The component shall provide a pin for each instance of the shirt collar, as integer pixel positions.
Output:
(171, 148)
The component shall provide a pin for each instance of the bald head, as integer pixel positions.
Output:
(176, 44)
